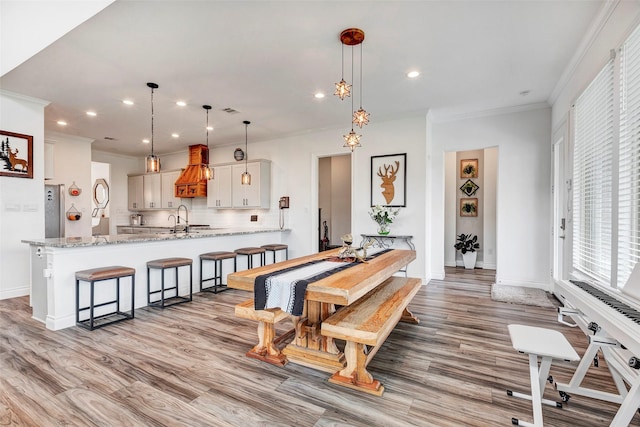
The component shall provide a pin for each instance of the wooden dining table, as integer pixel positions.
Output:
(308, 346)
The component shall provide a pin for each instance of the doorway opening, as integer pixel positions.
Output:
(334, 200)
(470, 204)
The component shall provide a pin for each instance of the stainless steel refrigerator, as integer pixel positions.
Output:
(54, 210)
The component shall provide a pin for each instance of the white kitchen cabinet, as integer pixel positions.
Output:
(169, 200)
(136, 193)
(152, 184)
(154, 191)
(256, 195)
(219, 188)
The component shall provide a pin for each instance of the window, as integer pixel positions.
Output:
(606, 170)
(629, 168)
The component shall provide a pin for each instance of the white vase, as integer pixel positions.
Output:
(470, 260)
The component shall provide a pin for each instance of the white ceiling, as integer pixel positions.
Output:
(266, 59)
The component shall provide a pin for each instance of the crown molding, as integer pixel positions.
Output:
(454, 117)
(21, 97)
(587, 41)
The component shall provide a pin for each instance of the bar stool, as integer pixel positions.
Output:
(549, 345)
(274, 247)
(250, 252)
(217, 258)
(98, 275)
(163, 264)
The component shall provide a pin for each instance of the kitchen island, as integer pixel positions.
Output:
(55, 261)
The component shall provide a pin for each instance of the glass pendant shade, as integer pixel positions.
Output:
(352, 140)
(206, 172)
(360, 118)
(153, 163)
(342, 89)
(246, 178)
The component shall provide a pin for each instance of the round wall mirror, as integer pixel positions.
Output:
(101, 193)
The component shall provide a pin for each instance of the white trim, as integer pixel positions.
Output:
(587, 41)
(14, 292)
(53, 137)
(21, 97)
(452, 117)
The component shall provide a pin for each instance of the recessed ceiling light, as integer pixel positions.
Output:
(181, 104)
(146, 141)
(319, 95)
(62, 123)
(175, 135)
(209, 127)
(127, 102)
(91, 113)
(413, 74)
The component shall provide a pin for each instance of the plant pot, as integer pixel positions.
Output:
(470, 260)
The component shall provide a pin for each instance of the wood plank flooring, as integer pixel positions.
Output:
(185, 366)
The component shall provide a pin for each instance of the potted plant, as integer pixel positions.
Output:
(383, 216)
(468, 245)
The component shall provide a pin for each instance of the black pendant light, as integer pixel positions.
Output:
(246, 176)
(153, 161)
(207, 171)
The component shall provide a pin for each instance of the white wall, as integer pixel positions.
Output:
(470, 225)
(490, 249)
(72, 164)
(118, 196)
(21, 199)
(341, 198)
(523, 188)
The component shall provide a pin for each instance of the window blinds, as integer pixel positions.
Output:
(629, 163)
(592, 175)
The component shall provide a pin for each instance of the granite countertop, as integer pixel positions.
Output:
(75, 242)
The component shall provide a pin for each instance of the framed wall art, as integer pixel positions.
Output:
(16, 155)
(469, 168)
(389, 180)
(469, 206)
(469, 188)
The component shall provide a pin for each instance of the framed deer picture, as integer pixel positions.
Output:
(389, 180)
(16, 155)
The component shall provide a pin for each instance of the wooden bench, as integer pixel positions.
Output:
(368, 322)
(266, 349)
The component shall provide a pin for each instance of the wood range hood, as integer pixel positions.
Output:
(190, 183)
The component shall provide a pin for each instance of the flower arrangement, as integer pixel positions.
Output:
(383, 216)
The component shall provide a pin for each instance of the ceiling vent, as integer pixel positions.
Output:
(230, 110)
(109, 138)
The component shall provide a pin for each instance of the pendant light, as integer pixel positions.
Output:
(352, 139)
(352, 37)
(206, 171)
(153, 161)
(246, 176)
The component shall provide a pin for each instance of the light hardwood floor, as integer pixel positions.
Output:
(185, 365)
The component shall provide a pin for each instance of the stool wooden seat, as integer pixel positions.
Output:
(97, 275)
(548, 345)
(249, 252)
(274, 247)
(217, 258)
(163, 264)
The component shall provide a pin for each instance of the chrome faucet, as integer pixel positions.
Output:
(174, 222)
(185, 219)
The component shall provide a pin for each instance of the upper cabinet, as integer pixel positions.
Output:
(219, 188)
(226, 190)
(152, 185)
(153, 191)
(168, 198)
(136, 193)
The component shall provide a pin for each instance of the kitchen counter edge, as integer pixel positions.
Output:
(75, 242)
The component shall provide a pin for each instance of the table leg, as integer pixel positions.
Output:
(355, 374)
(309, 348)
(266, 349)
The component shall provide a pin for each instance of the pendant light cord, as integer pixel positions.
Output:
(246, 126)
(360, 76)
(152, 121)
(352, 81)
